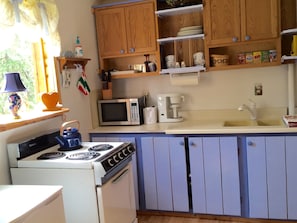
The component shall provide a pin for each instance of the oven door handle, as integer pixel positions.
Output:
(118, 178)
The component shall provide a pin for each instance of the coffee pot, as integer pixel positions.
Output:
(168, 106)
(294, 46)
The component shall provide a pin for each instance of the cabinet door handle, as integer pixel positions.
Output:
(234, 39)
(181, 143)
(122, 51)
(132, 50)
(192, 144)
(250, 143)
(247, 38)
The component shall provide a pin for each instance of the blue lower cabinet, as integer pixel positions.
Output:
(272, 179)
(215, 175)
(165, 173)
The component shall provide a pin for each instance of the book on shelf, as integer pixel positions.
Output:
(290, 120)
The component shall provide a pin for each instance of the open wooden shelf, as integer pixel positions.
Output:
(69, 63)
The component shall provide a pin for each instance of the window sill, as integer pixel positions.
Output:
(8, 122)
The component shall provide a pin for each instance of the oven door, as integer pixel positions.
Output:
(116, 198)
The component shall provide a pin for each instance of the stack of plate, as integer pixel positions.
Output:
(190, 30)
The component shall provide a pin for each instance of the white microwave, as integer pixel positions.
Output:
(125, 111)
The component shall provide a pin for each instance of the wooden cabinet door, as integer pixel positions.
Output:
(111, 32)
(215, 175)
(230, 21)
(141, 28)
(222, 21)
(260, 19)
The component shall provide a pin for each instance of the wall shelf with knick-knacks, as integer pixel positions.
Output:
(68, 62)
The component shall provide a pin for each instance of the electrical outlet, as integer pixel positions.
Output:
(258, 89)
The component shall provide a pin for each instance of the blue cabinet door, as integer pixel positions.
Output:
(266, 168)
(291, 166)
(215, 175)
(164, 173)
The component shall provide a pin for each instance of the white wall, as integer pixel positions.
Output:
(76, 18)
(216, 90)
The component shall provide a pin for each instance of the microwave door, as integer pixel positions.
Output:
(114, 113)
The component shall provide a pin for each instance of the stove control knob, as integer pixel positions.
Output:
(124, 152)
(120, 155)
(130, 149)
(115, 158)
(110, 162)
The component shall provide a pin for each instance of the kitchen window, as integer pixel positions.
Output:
(36, 70)
(29, 41)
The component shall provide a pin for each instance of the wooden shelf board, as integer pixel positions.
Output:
(180, 10)
(8, 122)
(142, 74)
(240, 66)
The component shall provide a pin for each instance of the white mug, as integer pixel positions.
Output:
(170, 64)
(170, 58)
(198, 58)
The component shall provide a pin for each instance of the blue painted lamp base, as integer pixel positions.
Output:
(15, 104)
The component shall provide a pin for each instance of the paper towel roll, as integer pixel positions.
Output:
(184, 79)
(150, 115)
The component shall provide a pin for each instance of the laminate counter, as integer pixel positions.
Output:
(210, 122)
(30, 204)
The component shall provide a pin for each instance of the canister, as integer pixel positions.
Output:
(150, 115)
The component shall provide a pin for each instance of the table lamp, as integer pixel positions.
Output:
(14, 84)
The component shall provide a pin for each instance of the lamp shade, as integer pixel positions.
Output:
(13, 83)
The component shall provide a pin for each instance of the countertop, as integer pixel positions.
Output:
(16, 201)
(210, 122)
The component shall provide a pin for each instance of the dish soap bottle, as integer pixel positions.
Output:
(78, 51)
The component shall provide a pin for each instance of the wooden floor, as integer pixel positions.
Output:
(160, 218)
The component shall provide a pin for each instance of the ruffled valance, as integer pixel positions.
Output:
(29, 19)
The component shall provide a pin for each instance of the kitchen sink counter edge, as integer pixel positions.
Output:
(211, 122)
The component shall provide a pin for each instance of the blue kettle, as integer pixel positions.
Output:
(69, 138)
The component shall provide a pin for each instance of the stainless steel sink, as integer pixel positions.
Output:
(239, 123)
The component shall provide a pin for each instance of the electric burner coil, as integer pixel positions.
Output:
(51, 155)
(83, 156)
(101, 147)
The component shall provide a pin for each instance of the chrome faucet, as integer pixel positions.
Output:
(252, 109)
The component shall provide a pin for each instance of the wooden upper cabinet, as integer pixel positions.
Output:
(260, 19)
(111, 33)
(221, 21)
(141, 28)
(229, 21)
(123, 30)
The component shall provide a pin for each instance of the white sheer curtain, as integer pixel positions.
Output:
(30, 20)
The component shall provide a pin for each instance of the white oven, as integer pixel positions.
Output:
(97, 178)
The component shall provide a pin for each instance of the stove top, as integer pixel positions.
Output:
(43, 152)
(79, 158)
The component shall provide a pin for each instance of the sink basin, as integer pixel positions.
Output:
(276, 122)
(238, 123)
